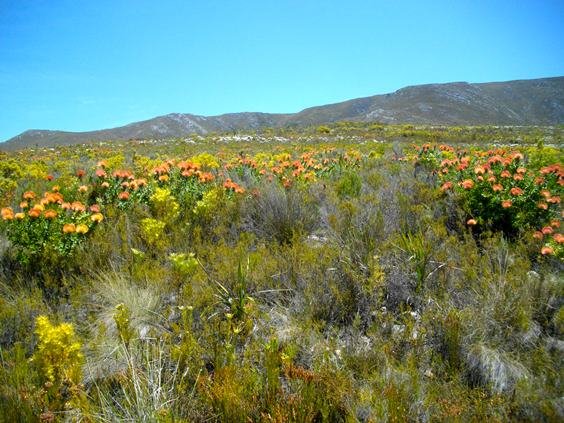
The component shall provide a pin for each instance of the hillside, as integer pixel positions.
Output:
(524, 102)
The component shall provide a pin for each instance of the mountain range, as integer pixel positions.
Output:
(522, 102)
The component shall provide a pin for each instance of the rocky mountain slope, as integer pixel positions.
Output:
(523, 102)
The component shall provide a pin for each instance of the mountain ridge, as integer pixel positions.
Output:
(518, 102)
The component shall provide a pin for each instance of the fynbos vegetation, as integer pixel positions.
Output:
(354, 272)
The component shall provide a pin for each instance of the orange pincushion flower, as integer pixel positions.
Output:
(163, 178)
(542, 206)
(97, 217)
(555, 223)
(34, 213)
(547, 230)
(516, 191)
(50, 214)
(77, 206)
(554, 200)
(28, 195)
(471, 222)
(24, 205)
(124, 195)
(7, 213)
(479, 170)
(101, 173)
(559, 238)
(517, 177)
(94, 208)
(105, 185)
(19, 216)
(69, 228)
(506, 204)
(547, 250)
(538, 235)
(467, 184)
(505, 174)
(545, 193)
(83, 188)
(521, 170)
(56, 188)
(497, 187)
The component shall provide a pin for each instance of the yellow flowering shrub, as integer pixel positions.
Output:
(58, 352)
(164, 205)
(206, 160)
(153, 232)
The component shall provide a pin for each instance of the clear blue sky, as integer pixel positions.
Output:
(82, 65)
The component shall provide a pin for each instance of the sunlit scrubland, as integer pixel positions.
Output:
(338, 279)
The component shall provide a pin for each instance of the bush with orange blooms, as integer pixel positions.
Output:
(499, 191)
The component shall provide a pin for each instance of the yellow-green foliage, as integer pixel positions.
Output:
(164, 205)
(206, 160)
(122, 318)
(58, 352)
(185, 264)
(209, 203)
(153, 232)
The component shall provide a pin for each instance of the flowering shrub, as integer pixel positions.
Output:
(59, 358)
(48, 225)
(499, 191)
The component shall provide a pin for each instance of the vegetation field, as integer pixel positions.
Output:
(349, 272)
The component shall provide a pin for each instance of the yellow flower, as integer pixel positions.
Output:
(97, 217)
(81, 228)
(69, 228)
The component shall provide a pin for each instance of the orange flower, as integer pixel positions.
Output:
(554, 200)
(97, 217)
(521, 170)
(497, 187)
(479, 170)
(105, 185)
(515, 191)
(547, 230)
(95, 208)
(471, 222)
(538, 235)
(19, 216)
(506, 204)
(50, 214)
(77, 206)
(542, 206)
(24, 205)
(505, 174)
(547, 250)
(517, 177)
(83, 188)
(69, 228)
(101, 173)
(34, 213)
(163, 178)
(467, 184)
(124, 195)
(559, 238)
(28, 195)
(446, 186)
(545, 193)
(7, 213)
(555, 223)
(56, 188)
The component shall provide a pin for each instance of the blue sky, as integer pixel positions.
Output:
(82, 65)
